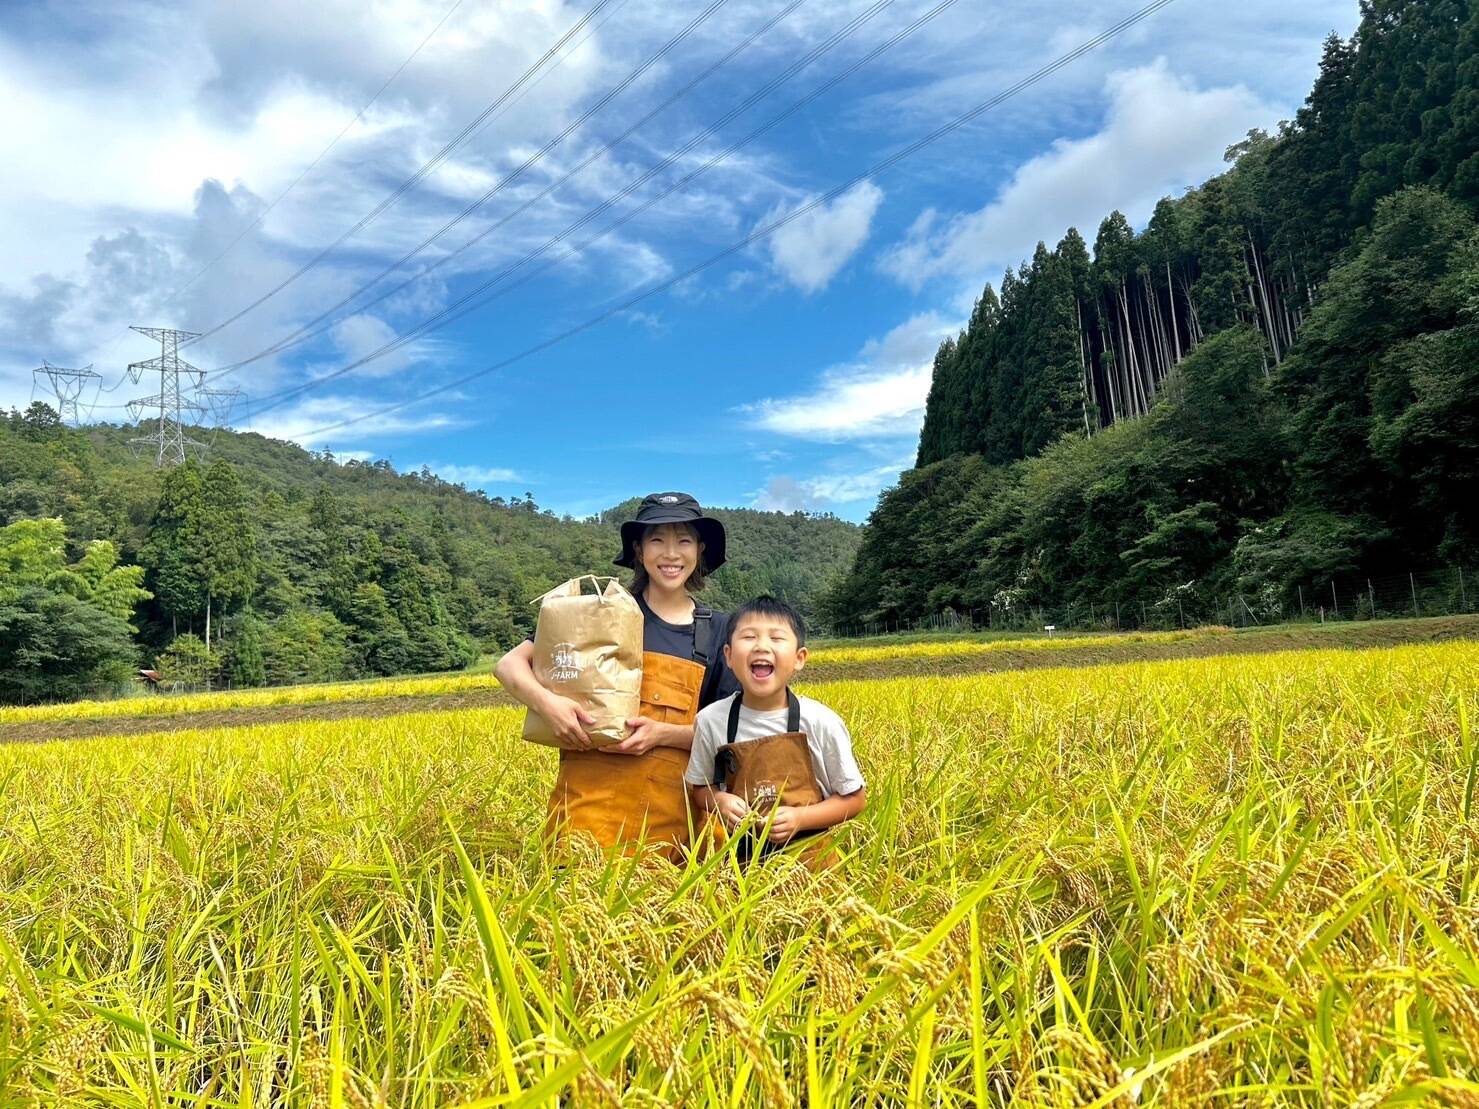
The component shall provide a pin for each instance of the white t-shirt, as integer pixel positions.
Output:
(826, 736)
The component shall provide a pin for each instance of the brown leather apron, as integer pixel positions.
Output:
(773, 770)
(623, 800)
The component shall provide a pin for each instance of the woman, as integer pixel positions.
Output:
(633, 791)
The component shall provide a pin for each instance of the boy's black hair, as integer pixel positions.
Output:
(766, 605)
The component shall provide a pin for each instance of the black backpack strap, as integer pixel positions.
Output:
(733, 729)
(703, 634)
(707, 652)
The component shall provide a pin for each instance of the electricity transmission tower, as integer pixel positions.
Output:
(221, 402)
(169, 442)
(66, 385)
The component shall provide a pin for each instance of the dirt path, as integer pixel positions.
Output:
(1345, 636)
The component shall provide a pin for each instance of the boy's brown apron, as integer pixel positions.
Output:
(620, 800)
(781, 762)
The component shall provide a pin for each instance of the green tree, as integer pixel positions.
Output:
(187, 662)
(247, 666)
(98, 579)
(175, 551)
(227, 542)
(1425, 426)
(378, 634)
(306, 646)
(54, 647)
(1353, 374)
(41, 422)
(33, 552)
(937, 437)
(1053, 401)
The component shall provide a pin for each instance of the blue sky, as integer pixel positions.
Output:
(797, 367)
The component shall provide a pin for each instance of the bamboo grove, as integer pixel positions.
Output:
(1338, 257)
(1072, 342)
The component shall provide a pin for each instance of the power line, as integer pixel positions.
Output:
(311, 329)
(775, 225)
(409, 183)
(324, 153)
(468, 301)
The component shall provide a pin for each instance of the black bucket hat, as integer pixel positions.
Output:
(673, 508)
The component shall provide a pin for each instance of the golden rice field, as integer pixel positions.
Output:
(184, 704)
(941, 648)
(1240, 880)
(433, 685)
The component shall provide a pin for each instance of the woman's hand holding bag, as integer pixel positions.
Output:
(568, 721)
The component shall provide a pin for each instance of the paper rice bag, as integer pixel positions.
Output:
(588, 647)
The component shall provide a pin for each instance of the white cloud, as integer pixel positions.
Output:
(472, 476)
(852, 405)
(125, 179)
(183, 157)
(785, 493)
(880, 395)
(810, 249)
(361, 335)
(300, 423)
(127, 277)
(874, 403)
(1161, 133)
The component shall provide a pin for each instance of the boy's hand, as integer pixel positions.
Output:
(731, 808)
(568, 721)
(785, 823)
(642, 736)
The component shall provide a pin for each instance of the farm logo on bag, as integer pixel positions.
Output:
(564, 663)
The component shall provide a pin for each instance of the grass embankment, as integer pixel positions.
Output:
(1246, 879)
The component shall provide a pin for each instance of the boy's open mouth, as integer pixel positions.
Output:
(762, 669)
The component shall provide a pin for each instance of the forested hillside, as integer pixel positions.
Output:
(298, 567)
(1275, 381)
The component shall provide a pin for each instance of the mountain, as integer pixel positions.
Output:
(304, 567)
(1274, 382)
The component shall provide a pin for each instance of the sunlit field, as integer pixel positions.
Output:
(430, 685)
(845, 653)
(1218, 881)
(185, 704)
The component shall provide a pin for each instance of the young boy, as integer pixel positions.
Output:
(766, 648)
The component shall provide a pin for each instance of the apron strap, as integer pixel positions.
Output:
(793, 715)
(733, 729)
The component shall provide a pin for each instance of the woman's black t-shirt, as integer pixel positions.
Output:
(663, 638)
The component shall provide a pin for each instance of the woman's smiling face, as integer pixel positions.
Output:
(669, 554)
